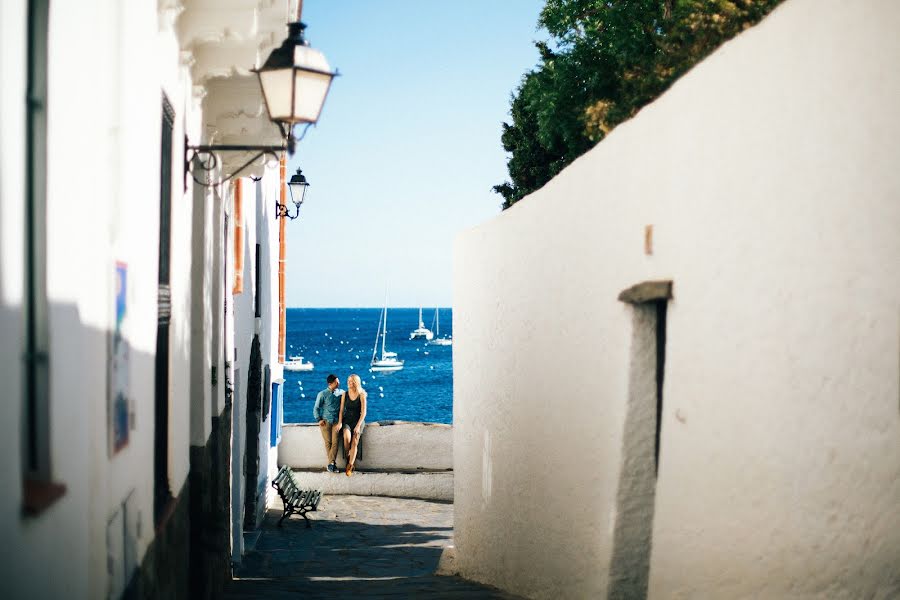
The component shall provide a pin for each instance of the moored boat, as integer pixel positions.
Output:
(296, 363)
(388, 360)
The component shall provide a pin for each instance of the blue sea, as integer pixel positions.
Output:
(340, 341)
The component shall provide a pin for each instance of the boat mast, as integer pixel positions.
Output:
(437, 320)
(375, 347)
(384, 330)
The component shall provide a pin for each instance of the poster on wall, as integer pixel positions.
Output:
(119, 413)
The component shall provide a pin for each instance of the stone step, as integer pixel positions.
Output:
(425, 485)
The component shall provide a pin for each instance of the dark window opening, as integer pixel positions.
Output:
(660, 306)
(36, 356)
(258, 282)
(162, 493)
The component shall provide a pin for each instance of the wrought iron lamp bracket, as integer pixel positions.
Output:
(212, 161)
(205, 159)
(282, 210)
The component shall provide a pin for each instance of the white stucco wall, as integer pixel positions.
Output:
(392, 446)
(13, 49)
(769, 173)
(259, 227)
(204, 309)
(269, 191)
(103, 207)
(103, 149)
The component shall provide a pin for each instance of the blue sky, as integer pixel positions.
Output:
(408, 145)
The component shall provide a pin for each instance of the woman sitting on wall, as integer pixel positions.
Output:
(353, 412)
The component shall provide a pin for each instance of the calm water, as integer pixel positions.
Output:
(340, 341)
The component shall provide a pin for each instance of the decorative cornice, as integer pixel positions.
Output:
(221, 41)
(244, 30)
(168, 12)
(234, 113)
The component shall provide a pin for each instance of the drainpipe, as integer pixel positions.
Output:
(238, 239)
(281, 260)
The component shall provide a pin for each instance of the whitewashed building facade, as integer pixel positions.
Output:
(676, 364)
(138, 309)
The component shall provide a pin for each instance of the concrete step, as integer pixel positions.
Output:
(425, 485)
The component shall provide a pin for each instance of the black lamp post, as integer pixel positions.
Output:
(299, 188)
(295, 80)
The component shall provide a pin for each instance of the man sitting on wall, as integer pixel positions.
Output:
(327, 412)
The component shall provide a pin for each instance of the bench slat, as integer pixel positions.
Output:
(296, 500)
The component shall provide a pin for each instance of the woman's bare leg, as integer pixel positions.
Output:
(346, 434)
(353, 447)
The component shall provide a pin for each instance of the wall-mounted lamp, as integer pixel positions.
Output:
(295, 80)
(299, 187)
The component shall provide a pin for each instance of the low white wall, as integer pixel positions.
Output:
(427, 485)
(386, 445)
(769, 173)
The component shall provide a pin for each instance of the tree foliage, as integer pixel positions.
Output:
(605, 61)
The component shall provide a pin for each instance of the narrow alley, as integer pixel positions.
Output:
(357, 547)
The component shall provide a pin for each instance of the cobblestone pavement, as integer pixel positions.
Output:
(358, 547)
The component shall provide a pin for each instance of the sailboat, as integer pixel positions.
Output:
(421, 331)
(438, 340)
(388, 360)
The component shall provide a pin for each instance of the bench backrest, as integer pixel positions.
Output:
(284, 482)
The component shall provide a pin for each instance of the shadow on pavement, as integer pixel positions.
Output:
(352, 558)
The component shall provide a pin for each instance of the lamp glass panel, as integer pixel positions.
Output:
(299, 192)
(311, 89)
(307, 57)
(276, 87)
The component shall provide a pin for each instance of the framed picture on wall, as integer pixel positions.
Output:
(118, 384)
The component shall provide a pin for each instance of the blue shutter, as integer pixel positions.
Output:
(277, 413)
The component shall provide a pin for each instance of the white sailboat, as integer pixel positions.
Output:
(438, 340)
(421, 331)
(388, 360)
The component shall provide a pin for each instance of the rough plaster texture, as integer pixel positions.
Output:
(103, 198)
(426, 486)
(387, 445)
(770, 175)
(91, 229)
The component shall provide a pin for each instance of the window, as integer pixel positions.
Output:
(162, 495)
(257, 279)
(39, 492)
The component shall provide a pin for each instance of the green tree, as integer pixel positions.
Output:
(606, 60)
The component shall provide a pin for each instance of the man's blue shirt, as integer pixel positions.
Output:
(328, 405)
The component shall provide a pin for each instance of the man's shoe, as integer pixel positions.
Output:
(331, 468)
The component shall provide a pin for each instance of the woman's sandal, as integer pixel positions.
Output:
(349, 469)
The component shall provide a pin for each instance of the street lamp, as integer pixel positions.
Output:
(295, 80)
(299, 187)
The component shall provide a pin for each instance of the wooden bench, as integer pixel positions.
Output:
(296, 501)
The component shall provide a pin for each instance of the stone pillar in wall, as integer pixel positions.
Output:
(210, 541)
(164, 570)
(252, 516)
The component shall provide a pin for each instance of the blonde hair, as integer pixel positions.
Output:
(359, 388)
